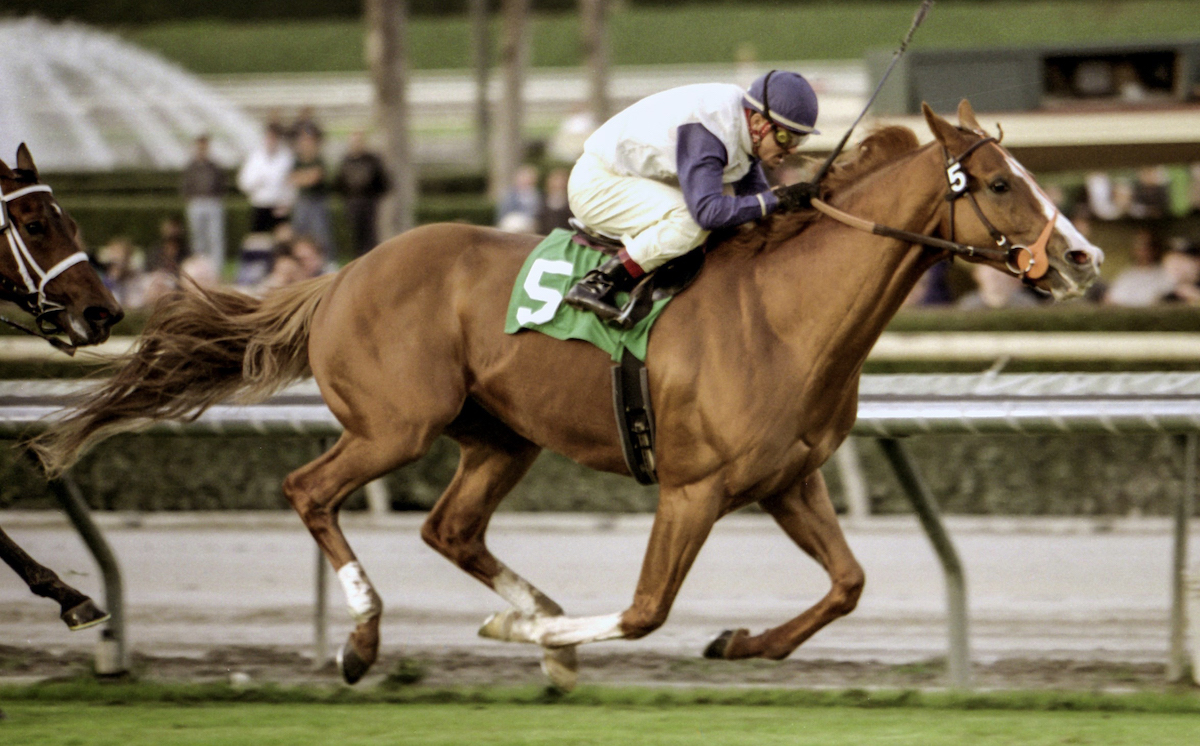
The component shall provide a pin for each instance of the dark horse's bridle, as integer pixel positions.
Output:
(32, 297)
(1006, 252)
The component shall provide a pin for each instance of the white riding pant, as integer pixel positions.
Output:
(650, 217)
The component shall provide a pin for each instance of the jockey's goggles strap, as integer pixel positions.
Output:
(26, 264)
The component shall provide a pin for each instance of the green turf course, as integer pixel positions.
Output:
(688, 34)
(237, 724)
(84, 712)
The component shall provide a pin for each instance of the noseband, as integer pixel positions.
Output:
(1006, 252)
(35, 279)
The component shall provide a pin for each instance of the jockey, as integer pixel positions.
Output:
(676, 165)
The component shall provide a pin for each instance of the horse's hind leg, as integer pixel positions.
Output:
(78, 611)
(806, 515)
(490, 465)
(317, 490)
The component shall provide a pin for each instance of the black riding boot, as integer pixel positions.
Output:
(598, 289)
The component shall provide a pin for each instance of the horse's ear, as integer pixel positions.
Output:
(6, 172)
(966, 116)
(947, 134)
(25, 160)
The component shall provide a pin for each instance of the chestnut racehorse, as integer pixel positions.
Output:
(44, 272)
(753, 373)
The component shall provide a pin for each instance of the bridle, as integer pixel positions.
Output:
(32, 297)
(1006, 252)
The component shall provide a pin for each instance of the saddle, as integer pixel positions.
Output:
(666, 281)
(630, 382)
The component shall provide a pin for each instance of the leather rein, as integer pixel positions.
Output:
(1006, 251)
(32, 297)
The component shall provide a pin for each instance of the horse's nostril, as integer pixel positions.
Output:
(100, 316)
(1078, 257)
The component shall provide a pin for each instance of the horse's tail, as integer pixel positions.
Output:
(202, 347)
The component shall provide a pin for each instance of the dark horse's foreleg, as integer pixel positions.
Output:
(684, 519)
(806, 514)
(78, 611)
(489, 466)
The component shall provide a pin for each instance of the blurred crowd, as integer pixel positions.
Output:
(290, 235)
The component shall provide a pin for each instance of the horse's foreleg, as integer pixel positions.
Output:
(317, 491)
(684, 519)
(77, 610)
(487, 470)
(806, 514)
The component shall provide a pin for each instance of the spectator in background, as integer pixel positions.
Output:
(996, 289)
(521, 206)
(310, 214)
(203, 188)
(1151, 198)
(172, 247)
(166, 258)
(556, 211)
(1181, 264)
(308, 254)
(1144, 283)
(265, 179)
(361, 180)
(305, 123)
(123, 264)
(1107, 200)
(285, 270)
(200, 270)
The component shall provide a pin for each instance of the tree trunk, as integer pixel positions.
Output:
(481, 48)
(594, 15)
(387, 57)
(507, 144)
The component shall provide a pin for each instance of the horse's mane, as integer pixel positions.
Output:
(880, 147)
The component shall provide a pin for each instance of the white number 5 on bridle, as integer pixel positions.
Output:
(958, 180)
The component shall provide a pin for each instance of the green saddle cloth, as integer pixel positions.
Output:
(551, 269)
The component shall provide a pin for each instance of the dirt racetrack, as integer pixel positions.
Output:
(1054, 602)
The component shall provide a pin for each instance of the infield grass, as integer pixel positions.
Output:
(693, 33)
(236, 724)
(86, 713)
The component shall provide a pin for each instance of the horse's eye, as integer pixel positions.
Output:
(35, 228)
(999, 186)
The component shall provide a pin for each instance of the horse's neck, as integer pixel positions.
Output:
(836, 287)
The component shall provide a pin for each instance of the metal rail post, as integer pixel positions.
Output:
(959, 656)
(321, 613)
(321, 602)
(108, 662)
(1179, 663)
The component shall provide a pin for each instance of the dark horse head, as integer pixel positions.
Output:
(43, 269)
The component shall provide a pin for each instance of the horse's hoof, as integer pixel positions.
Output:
(561, 666)
(719, 649)
(499, 626)
(84, 615)
(351, 664)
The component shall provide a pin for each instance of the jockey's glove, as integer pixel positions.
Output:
(796, 196)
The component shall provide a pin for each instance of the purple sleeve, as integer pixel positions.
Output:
(701, 159)
(753, 182)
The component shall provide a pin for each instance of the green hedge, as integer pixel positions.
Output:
(1086, 475)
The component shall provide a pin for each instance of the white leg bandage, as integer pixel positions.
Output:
(361, 597)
